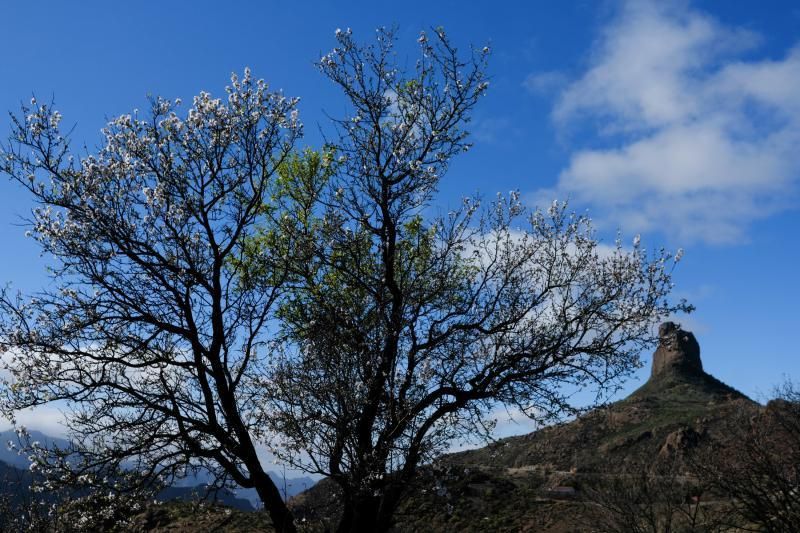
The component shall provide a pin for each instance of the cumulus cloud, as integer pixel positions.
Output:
(688, 136)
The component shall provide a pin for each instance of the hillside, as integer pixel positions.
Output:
(533, 482)
(676, 408)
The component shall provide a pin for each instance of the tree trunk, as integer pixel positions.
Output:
(369, 514)
(282, 518)
(360, 516)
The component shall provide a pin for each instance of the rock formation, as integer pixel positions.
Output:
(677, 353)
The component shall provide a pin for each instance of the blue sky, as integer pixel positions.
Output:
(680, 122)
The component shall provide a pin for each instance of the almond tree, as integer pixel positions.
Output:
(406, 326)
(146, 334)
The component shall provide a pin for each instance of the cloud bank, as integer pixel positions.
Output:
(690, 135)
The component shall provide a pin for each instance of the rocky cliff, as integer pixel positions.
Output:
(678, 352)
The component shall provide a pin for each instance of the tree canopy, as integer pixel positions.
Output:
(148, 335)
(407, 326)
(214, 288)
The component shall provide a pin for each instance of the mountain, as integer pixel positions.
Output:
(226, 497)
(12, 456)
(15, 477)
(675, 407)
(14, 483)
(533, 482)
(288, 486)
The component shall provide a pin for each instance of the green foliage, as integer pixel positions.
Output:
(291, 220)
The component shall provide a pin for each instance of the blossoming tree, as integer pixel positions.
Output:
(406, 327)
(394, 329)
(147, 336)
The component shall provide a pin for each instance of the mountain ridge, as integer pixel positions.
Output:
(16, 477)
(678, 398)
(534, 482)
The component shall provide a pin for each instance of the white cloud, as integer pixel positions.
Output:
(693, 140)
(510, 421)
(49, 419)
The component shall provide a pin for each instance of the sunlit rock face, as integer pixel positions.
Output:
(678, 353)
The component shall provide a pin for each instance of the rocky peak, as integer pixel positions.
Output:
(678, 352)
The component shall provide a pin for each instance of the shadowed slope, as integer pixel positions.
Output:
(679, 399)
